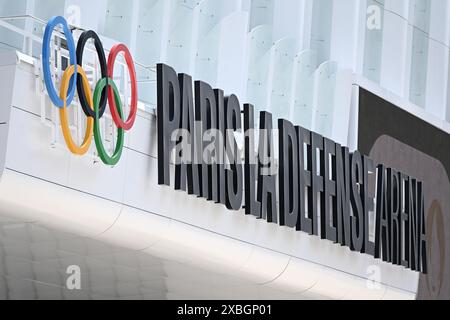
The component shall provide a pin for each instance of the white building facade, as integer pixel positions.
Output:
(301, 60)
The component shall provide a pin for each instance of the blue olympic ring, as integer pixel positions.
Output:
(53, 22)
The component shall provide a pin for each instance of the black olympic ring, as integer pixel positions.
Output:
(85, 36)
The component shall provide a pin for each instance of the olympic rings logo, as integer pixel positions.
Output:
(94, 106)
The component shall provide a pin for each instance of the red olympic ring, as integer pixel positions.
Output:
(111, 99)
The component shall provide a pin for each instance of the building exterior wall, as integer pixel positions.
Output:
(302, 60)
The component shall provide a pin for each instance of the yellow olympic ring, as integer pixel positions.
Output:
(84, 148)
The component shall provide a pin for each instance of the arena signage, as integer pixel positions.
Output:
(318, 186)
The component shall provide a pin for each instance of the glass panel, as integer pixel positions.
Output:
(148, 46)
(283, 64)
(45, 9)
(232, 58)
(261, 13)
(419, 64)
(419, 59)
(211, 13)
(306, 64)
(118, 21)
(206, 62)
(421, 14)
(150, 29)
(10, 39)
(321, 28)
(373, 40)
(326, 84)
(87, 14)
(258, 73)
(179, 47)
